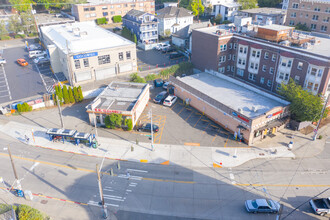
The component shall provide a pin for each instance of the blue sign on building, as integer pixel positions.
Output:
(84, 55)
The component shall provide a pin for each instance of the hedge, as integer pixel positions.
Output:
(24, 107)
(177, 70)
(24, 212)
(68, 95)
(5, 37)
(101, 21)
(117, 19)
(113, 120)
(136, 78)
(151, 77)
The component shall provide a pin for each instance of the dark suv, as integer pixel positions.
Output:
(159, 99)
(147, 127)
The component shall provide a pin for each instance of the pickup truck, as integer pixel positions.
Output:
(320, 206)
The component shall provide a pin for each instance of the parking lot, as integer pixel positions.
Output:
(18, 82)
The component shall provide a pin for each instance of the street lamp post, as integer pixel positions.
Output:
(322, 112)
(104, 207)
(60, 111)
(14, 169)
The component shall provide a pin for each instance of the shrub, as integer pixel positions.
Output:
(24, 107)
(320, 137)
(71, 97)
(25, 212)
(5, 37)
(17, 36)
(107, 122)
(75, 94)
(19, 107)
(129, 124)
(113, 120)
(80, 94)
(136, 78)
(151, 77)
(226, 22)
(33, 35)
(101, 21)
(117, 19)
(135, 39)
(4, 208)
(66, 95)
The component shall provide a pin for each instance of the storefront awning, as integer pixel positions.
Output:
(272, 124)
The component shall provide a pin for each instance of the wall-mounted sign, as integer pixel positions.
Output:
(84, 55)
(276, 113)
(107, 111)
(234, 113)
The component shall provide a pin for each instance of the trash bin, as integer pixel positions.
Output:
(28, 195)
(290, 145)
(19, 193)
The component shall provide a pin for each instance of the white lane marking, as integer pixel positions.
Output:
(231, 176)
(128, 190)
(42, 79)
(142, 171)
(130, 177)
(112, 196)
(34, 166)
(132, 185)
(4, 73)
(114, 205)
(110, 190)
(93, 203)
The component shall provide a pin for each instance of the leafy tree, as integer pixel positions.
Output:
(45, 3)
(218, 19)
(25, 212)
(302, 27)
(167, 32)
(28, 25)
(269, 3)
(75, 94)
(71, 97)
(107, 122)
(66, 95)
(21, 5)
(117, 19)
(304, 105)
(14, 24)
(80, 94)
(129, 124)
(247, 4)
(196, 7)
(3, 30)
(59, 93)
(19, 107)
(101, 21)
(151, 77)
(113, 120)
(184, 4)
(135, 39)
(136, 78)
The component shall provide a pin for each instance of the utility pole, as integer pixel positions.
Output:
(14, 169)
(104, 207)
(60, 111)
(322, 112)
(95, 125)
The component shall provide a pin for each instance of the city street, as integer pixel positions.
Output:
(167, 191)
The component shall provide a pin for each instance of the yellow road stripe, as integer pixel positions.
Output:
(192, 144)
(189, 116)
(198, 121)
(281, 185)
(214, 138)
(226, 141)
(174, 105)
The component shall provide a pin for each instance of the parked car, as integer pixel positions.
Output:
(158, 82)
(162, 46)
(41, 60)
(165, 85)
(34, 47)
(147, 127)
(320, 206)
(175, 55)
(37, 53)
(262, 205)
(170, 100)
(160, 97)
(22, 62)
(168, 50)
(3, 61)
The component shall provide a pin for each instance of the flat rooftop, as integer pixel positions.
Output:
(275, 27)
(119, 96)
(47, 19)
(321, 48)
(233, 94)
(82, 37)
(265, 11)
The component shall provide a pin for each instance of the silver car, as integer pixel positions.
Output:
(262, 205)
(3, 61)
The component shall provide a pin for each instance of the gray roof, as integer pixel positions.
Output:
(186, 31)
(135, 13)
(265, 11)
(172, 12)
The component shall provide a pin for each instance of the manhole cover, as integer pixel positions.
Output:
(43, 201)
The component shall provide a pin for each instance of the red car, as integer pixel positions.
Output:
(22, 62)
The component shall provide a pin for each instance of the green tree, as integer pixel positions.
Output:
(28, 25)
(304, 105)
(59, 93)
(25, 212)
(218, 19)
(71, 97)
(269, 3)
(247, 4)
(116, 119)
(135, 39)
(167, 32)
(19, 107)
(75, 94)
(196, 7)
(21, 5)
(3, 30)
(101, 21)
(302, 27)
(14, 24)
(117, 19)
(136, 78)
(209, 9)
(129, 124)
(80, 94)
(107, 122)
(66, 95)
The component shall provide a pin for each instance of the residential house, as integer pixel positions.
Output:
(172, 19)
(143, 24)
(182, 38)
(261, 15)
(227, 9)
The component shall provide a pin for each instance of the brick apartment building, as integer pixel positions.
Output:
(264, 56)
(95, 9)
(314, 13)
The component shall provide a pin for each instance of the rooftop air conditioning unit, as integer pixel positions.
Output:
(254, 109)
(240, 110)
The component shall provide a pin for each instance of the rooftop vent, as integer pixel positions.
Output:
(240, 110)
(254, 109)
(82, 33)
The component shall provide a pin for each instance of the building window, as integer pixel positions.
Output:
(295, 5)
(266, 56)
(141, 4)
(324, 28)
(234, 57)
(230, 45)
(264, 68)
(306, 15)
(313, 26)
(92, 9)
(77, 64)
(271, 70)
(86, 62)
(223, 47)
(93, 15)
(240, 72)
(235, 46)
(289, 63)
(118, 6)
(273, 57)
(105, 13)
(232, 68)
(103, 59)
(326, 19)
(269, 83)
(315, 17)
(229, 56)
(309, 85)
(121, 56)
(241, 62)
(104, 7)
(291, 23)
(112, 12)
(300, 65)
(252, 77)
(316, 87)
(243, 49)
(221, 69)
(228, 68)
(278, 86)
(119, 12)
(293, 15)
(317, 8)
(86, 9)
(128, 55)
(125, 5)
(262, 80)
(297, 79)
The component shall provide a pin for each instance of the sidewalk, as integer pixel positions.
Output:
(187, 156)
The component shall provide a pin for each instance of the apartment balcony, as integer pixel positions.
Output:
(146, 28)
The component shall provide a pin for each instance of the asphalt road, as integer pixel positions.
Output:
(162, 192)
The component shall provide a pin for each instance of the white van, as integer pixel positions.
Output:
(37, 53)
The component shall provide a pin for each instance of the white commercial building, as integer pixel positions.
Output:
(85, 52)
(226, 8)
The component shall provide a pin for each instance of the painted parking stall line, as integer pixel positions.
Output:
(47, 78)
(4, 89)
